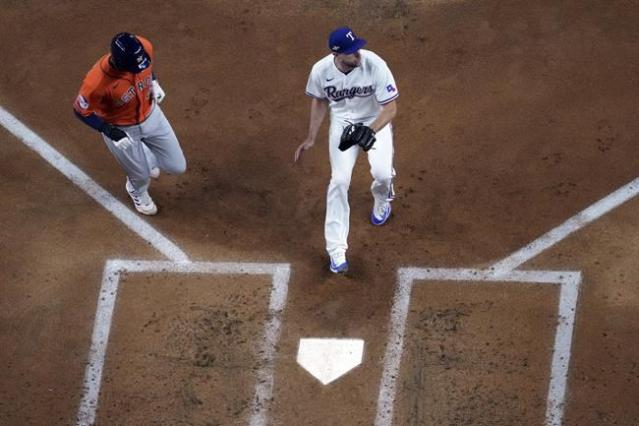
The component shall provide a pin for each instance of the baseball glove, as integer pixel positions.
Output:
(357, 134)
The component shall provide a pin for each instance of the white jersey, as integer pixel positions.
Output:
(358, 95)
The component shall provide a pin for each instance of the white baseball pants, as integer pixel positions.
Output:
(380, 158)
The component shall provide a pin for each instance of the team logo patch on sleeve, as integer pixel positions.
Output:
(82, 102)
(391, 88)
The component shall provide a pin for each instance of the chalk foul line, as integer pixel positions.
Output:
(125, 215)
(575, 223)
(180, 264)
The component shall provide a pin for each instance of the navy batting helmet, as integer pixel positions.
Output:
(128, 54)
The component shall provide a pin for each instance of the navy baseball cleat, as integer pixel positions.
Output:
(339, 265)
(381, 215)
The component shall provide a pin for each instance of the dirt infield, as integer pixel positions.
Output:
(513, 117)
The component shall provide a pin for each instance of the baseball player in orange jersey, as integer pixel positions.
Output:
(119, 97)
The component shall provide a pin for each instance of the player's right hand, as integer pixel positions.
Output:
(308, 143)
(119, 137)
(123, 144)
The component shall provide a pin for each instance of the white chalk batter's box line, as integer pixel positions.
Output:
(106, 305)
(568, 282)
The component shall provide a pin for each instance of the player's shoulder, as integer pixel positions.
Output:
(98, 76)
(98, 70)
(372, 59)
(323, 64)
(146, 44)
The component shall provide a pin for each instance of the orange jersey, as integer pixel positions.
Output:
(117, 97)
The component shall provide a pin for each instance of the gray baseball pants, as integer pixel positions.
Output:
(154, 145)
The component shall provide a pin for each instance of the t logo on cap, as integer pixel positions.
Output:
(344, 41)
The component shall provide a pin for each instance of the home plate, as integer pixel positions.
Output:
(329, 359)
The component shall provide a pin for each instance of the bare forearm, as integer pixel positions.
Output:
(385, 116)
(318, 112)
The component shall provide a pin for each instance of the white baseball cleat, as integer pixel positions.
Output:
(339, 265)
(380, 214)
(143, 203)
(154, 173)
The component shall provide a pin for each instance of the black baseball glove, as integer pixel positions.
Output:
(357, 134)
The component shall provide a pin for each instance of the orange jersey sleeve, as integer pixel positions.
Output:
(92, 93)
(119, 98)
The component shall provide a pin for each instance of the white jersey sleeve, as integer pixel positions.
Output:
(314, 84)
(385, 88)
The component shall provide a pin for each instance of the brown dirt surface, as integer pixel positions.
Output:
(477, 357)
(513, 117)
(177, 342)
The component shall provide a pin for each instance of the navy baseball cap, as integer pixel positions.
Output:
(343, 40)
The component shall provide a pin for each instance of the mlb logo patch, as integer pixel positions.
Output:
(82, 102)
(391, 88)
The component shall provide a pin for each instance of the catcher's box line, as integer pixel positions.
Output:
(132, 220)
(106, 305)
(569, 283)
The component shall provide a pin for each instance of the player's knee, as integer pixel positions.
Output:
(382, 175)
(177, 167)
(341, 180)
(181, 168)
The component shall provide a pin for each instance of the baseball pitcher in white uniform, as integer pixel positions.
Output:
(358, 88)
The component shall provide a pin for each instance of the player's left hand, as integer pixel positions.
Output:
(357, 134)
(158, 93)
